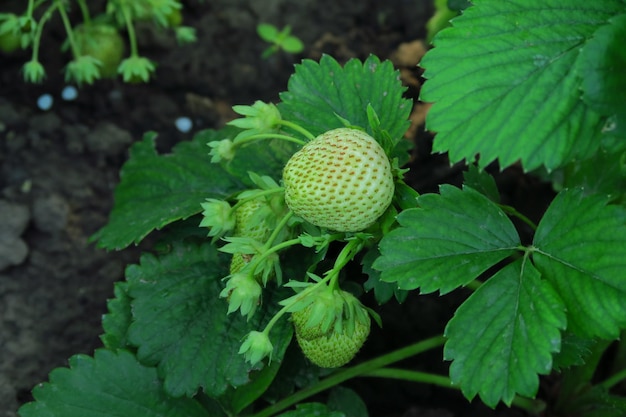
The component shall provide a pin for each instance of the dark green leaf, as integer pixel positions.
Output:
(312, 409)
(156, 190)
(482, 182)
(602, 174)
(574, 350)
(237, 399)
(580, 247)
(182, 326)
(504, 334)
(598, 402)
(265, 157)
(447, 242)
(347, 401)
(504, 85)
(109, 384)
(319, 92)
(601, 66)
(383, 291)
(116, 322)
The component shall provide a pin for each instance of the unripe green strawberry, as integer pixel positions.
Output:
(245, 223)
(248, 225)
(102, 42)
(336, 349)
(341, 180)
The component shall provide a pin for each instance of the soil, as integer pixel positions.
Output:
(59, 168)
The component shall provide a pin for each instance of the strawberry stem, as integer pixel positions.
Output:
(354, 371)
(262, 136)
(297, 128)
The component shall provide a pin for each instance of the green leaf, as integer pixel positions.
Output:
(237, 399)
(116, 322)
(319, 92)
(482, 182)
(112, 384)
(580, 247)
(447, 242)
(598, 402)
(312, 409)
(603, 174)
(182, 326)
(574, 351)
(267, 32)
(504, 85)
(504, 334)
(383, 291)
(601, 66)
(156, 190)
(266, 157)
(347, 401)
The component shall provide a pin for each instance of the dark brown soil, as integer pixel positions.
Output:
(58, 169)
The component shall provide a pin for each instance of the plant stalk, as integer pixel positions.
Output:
(349, 373)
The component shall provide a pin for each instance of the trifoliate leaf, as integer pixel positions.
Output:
(116, 322)
(109, 384)
(319, 92)
(504, 85)
(312, 409)
(156, 190)
(580, 248)
(447, 242)
(504, 334)
(601, 66)
(182, 326)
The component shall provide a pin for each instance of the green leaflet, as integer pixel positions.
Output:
(116, 322)
(319, 92)
(347, 401)
(504, 334)
(601, 66)
(110, 384)
(580, 248)
(504, 85)
(447, 242)
(156, 190)
(181, 325)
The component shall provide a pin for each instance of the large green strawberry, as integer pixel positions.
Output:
(337, 348)
(341, 180)
(102, 42)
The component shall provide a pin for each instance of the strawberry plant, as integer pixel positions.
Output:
(96, 47)
(250, 302)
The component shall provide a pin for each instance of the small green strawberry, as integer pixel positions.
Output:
(248, 223)
(336, 349)
(102, 42)
(341, 180)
